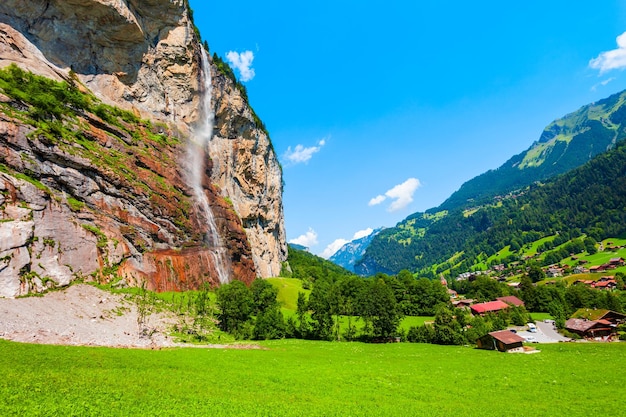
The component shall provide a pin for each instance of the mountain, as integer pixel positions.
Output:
(426, 239)
(111, 164)
(587, 202)
(564, 144)
(353, 251)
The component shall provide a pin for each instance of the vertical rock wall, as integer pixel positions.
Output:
(142, 56)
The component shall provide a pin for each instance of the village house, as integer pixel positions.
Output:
(512, 300)
(465, 303)
(554, 272)
(488, 307)
(590, 329)
(617, 261)
(595, 323)
(580, 270)
(503, 340)
(604, 283)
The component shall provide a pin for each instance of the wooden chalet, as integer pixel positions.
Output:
(604, 283)
(595, 323)
(464, 303)
(503, 340)
(590, 329)
(512, 300)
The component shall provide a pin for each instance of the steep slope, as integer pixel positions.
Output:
(100, 187)
(350, 253)
(425, 239)
(564, 144)
(589, 200)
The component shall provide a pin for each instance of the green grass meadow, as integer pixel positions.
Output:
(306, 378)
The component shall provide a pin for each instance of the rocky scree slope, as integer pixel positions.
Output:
(93, 179)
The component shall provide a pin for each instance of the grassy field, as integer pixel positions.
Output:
(288, 289)
(304, 378)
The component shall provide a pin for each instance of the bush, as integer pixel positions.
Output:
(421, 334)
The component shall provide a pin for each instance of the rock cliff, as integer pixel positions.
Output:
(96, 187)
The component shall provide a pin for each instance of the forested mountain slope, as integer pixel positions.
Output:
(590, 199)
(564, 144)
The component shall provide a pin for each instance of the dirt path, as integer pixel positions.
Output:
(81, 315)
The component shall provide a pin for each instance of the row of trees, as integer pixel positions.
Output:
(343, 306)
(353, 308)
(332, 309)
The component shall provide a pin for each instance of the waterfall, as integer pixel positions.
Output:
(197, 151)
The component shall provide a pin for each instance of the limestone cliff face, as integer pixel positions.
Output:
(112, 200)
(246, 169)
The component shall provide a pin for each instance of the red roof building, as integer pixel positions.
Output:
(488, 307)
(512, 300)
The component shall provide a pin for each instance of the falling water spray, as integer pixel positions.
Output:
(197, 151)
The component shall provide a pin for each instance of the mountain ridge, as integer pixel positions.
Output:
(565, 144)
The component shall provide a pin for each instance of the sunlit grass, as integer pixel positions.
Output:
(304, 378)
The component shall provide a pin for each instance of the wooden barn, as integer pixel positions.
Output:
(503, 340)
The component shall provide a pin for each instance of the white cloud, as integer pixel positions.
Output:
(377, 200)
(362, 233)
(308, 239)
(613, 59)
(332, 248)
(243, 63)
(301, 154)
(402, 194)
(338, 243)
(602, 83)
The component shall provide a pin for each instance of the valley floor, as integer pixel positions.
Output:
(307, 378)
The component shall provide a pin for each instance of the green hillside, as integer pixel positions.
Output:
(564, 144)
(586, 203)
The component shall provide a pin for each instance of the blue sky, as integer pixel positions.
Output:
(378, 110)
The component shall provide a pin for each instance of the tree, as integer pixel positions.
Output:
(302, 311)
(557, 311)
(448, 331)
(264, 295)
(421, 334)
(378, 306)
(535, 273)
(321, 310)
(270, 324)
(590, 245)
(236, 305)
